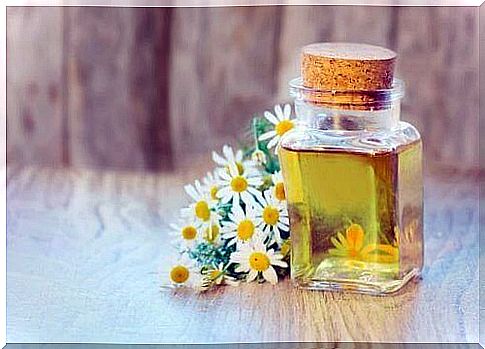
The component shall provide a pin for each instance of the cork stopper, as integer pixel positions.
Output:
(347, 66)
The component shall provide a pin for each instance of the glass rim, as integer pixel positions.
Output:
(396, 92)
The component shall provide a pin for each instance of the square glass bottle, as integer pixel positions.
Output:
(352, 173)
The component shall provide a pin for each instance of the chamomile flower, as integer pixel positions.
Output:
(253, 258)
(186, 233)
(228, 158)
(278, 186)
(235, 186)
(201, 210)
(272, 215)
(182, 272)
(351, 246)
(211, 184)
(242, 226)
(218, 276)
(282, 124)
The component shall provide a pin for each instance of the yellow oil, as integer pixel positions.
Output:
(356, 217)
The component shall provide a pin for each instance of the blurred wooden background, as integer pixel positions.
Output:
(149, 88)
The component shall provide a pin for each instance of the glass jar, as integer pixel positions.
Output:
(353, 181)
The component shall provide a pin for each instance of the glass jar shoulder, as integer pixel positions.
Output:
(366, 141)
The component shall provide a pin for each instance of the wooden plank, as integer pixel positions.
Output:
(367, 24)
(222, 72)
(438, 59)
(84, 249)
(302, 25)
(35, 85)
(116, 109)
(149, 72)
(481, 130)
(117, 96)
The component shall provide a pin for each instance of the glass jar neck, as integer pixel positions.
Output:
(328, 118)
(347, 110)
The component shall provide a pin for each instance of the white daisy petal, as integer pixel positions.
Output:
(224, 175)
(287, 111)
(189, 189)
(277, 234)
(279, 263)
(270, 275)
(198, 186)
(267, 135)
(252, 275)
(233, 170)
(246, 198)
(271, 118)
(241, 269)
(223, 192)
(256, 193)
(279, 112)
(238, 212)
(239, 156)
(284, 219)
(226, 199)
(229, 225)
(259, 245)
(281, 225)
(218, 159)
(273, 142)
(228, 153)
(267, 229)
(255, 181)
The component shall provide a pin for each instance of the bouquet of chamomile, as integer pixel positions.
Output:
(236, 228)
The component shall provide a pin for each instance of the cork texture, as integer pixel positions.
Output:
(347, 66)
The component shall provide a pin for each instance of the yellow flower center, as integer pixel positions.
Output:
(213, 193)
(202, 210)
(283, 126)
(259, 261)
(239, 184)
(212, 233)
(214, 274)
(245, 230)
(355, 239)
(271, 215)
(189, 232)
(279, 191)
(179, 274)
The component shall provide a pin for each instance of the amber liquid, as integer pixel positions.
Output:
(356, 217)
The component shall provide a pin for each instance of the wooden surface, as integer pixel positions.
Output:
(35, 119)
(117, 83)
(84, 249)
(222, 73)
(141, 88)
